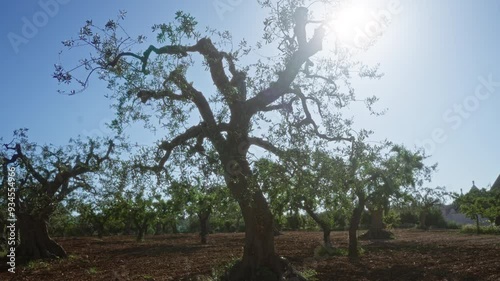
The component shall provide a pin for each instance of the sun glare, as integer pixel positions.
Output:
(347, 21)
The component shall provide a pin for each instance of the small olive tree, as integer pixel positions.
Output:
(480, 203)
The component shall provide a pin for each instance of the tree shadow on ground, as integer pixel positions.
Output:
(158, 250)
(382, 245)
(407, 272)
(420, 269)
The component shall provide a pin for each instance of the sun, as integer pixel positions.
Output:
(347, 22)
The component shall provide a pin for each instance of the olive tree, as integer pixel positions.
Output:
(311, 184)
(46, 175)
(398, 170)
(480, 203)
(426, 198)
(374, 174)
(134, 196)
(301, 86)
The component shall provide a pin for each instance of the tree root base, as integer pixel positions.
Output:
(239, 272)
(381, 234)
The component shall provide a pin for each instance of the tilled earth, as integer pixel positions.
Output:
(413, 255)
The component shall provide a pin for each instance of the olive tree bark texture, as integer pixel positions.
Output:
(377, 227)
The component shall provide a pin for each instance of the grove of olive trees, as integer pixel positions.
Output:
(259, 138)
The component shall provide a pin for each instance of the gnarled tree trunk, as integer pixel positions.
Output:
(173, 225)
(142, 229)
(353, 226)
(478, 228)
(277, 231)
(203, 217)
(325, 227)
(100, 229)
(377, 227)
(377, 222)
(158, 228)
(35, 241)
(422, 220)
(238, 220)
(260, 261)
(259, 257)
(127, 227)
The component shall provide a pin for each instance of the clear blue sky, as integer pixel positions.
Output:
(432, 54)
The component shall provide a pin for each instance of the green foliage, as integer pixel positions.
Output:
(322, 252)
(226, 215)
(148, 277)
(472, 229)
(435, 218)
(311, 225)
(100, 217)
(185, 26)
(309, 274)
(218, 272)
(272, 98)
(63, 223)
(50, 173)
(92, 270)
(294, 222)
(360, 251)
(480, 202)
(392, 219)
(453, 225)
(37, 265)
(365, 220)
(408, 217)
(190, 224)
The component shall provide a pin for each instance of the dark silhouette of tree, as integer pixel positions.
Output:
(46, 176)
(298, 87)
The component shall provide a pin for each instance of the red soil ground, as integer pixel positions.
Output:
(413, 255)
